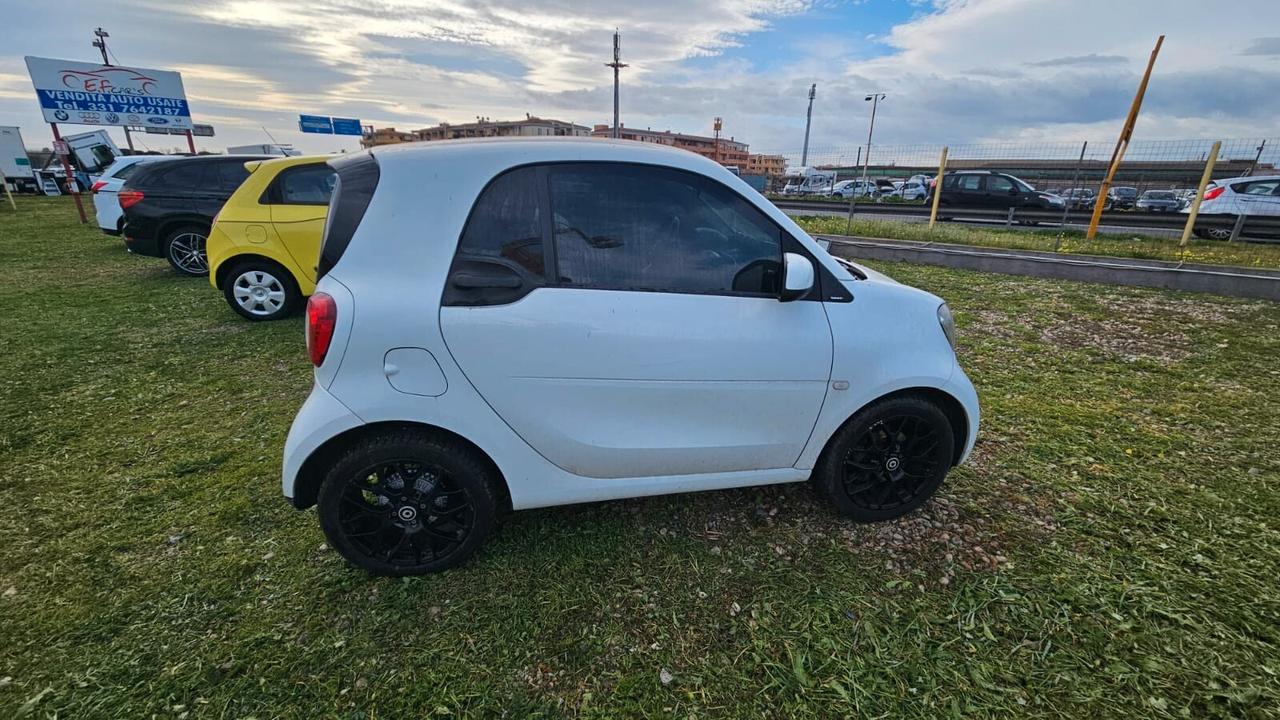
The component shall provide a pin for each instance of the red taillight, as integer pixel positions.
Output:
(98, 186)
(129, 198)
(322, 316)
(1212, 193)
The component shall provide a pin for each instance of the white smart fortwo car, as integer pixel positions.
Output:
(516, 323)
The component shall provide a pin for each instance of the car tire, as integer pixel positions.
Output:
(371, 512)
(887, 460)
(261, 290)
(184, 248)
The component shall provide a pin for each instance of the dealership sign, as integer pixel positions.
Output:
(92, 94)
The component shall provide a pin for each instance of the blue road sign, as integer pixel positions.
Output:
(315, 124)
(346, 126)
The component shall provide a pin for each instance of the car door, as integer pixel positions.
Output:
(634, 329)
(1258, 197)
(973, 191)
(1000, 192)
(299, 199)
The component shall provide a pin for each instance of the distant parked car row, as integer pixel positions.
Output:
(252, 223)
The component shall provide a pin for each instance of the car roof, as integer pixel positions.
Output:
(542, 149)
(1246, 178)
(277, 164)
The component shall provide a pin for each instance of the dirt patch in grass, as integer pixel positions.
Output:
(1118, 339)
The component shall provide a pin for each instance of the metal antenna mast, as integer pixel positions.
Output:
(617, 65)
(808, 118)
(101, 44)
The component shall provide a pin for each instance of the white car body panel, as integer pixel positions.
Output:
(588, 395)
(1231, 202)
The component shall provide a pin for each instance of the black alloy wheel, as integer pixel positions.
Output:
(407, 505)
(888, 460)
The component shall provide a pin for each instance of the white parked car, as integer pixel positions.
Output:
(106, 190)
(854, 188)
(1250, 195)
(519, 323)
(910, 190)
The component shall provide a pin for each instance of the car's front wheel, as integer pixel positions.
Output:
(408, 503)
(184, 249)
(887, 460)
(261, 290)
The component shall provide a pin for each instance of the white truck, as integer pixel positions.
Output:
(93, 151)
(15, 166)
(282, 150)
(809, 181)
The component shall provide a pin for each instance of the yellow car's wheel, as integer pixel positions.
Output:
(261, 290)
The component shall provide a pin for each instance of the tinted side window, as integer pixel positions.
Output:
(506, 222)
(1259, 187)
(306, 185)
(997, 183)
(125, 171)
(640, 227)
(182, 176)
(969, 183)
(229, 175)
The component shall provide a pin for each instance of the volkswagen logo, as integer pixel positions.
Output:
(112, 118)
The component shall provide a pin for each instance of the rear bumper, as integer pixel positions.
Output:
(321, 419)
(141, 245)
(111, 232)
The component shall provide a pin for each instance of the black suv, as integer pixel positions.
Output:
(985, 189)
(169, 206)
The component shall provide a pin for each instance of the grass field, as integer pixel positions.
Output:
(1112, 550)
(1146, 247)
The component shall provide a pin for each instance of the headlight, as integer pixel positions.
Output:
(948, 324)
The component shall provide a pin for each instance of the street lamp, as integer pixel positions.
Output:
(874, 99)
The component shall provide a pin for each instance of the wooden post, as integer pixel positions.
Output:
(66, 169)
(937, 187)
(1195, 204)
(1123, 143)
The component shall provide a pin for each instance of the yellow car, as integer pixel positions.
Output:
(265, 242)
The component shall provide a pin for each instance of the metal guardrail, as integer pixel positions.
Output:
(1259, 224)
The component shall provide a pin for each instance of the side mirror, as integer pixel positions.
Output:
(797, 276)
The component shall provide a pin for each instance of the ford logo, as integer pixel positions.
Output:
(157, 121)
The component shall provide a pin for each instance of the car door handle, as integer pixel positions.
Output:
(469, 281)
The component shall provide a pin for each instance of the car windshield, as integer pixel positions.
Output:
(1126, 192)
(1158, 195)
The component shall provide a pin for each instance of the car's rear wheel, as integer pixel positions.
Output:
(184, 249)
(888, 460)
(1214, 233)
(261, 290)
(408, 503)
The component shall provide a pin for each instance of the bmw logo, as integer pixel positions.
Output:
(157, 121)
(61, 114)
(113, 118)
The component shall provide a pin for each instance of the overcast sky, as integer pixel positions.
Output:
(955, 71)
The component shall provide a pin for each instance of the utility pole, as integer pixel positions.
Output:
(716, 126)
(617, 65)
(101, 44)
(808, 118)
(874, 99)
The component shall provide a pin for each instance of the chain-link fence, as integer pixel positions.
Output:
(1144, 210)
